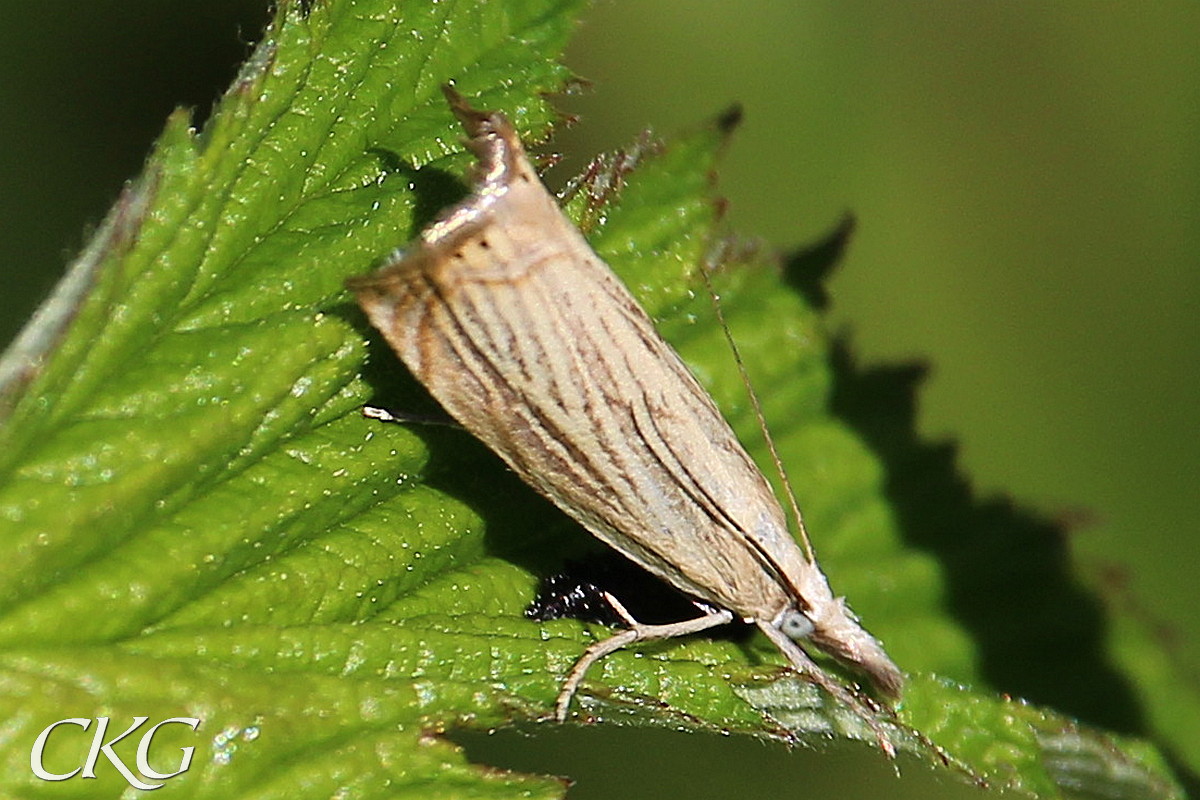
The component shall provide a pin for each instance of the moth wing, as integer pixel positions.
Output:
(531, 342)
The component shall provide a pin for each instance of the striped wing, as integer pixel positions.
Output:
(531, 342)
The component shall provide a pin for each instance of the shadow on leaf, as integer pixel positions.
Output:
(1008, 571)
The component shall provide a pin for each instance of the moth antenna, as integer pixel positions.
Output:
(756, 404)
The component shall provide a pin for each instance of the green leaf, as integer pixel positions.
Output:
(196, 521)
(1148, 652)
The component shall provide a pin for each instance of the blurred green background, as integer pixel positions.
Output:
(1026, 179)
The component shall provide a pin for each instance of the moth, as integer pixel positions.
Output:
(532, 343)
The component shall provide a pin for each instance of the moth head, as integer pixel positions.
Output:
(828, 624)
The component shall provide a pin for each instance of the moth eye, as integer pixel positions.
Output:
(796, 626)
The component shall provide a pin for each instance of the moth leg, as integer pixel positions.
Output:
(866, 709)
(401, 417)
(636, 632)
